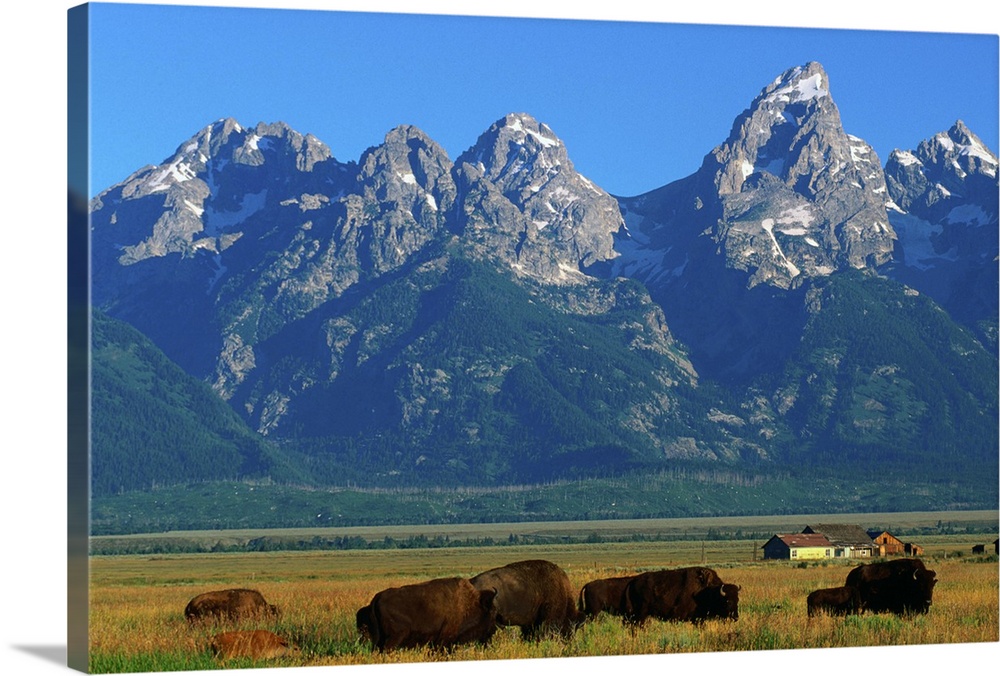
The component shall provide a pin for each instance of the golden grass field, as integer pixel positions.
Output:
(137, 603)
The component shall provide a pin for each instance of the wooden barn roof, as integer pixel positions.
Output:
(803, 540)
(841, 534)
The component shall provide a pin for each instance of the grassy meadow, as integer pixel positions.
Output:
(137, 602)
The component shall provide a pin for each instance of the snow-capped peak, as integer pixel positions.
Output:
(525, 126)
(801, 83)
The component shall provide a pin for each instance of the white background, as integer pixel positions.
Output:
(33, 350)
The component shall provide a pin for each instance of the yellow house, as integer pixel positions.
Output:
(798, 547)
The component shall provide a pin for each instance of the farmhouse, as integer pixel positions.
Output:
(798, 546)
(851, 542)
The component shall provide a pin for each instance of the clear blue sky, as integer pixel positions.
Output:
(637, 104)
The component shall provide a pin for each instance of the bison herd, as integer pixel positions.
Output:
(536, 597)
(900, 586)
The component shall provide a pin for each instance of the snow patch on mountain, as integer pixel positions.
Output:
(803, 89)
(217, 222)
(917, 238)
(971, 214)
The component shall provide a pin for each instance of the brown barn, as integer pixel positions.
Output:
(911, 549)
(889, 544)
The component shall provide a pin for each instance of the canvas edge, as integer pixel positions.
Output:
(78, 336)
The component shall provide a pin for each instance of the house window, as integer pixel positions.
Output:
(795, 553)
(827, 554)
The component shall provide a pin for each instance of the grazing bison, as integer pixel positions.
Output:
(438, 613)
(533, 595)
(603, 596)
(228, 604)
(900, 586)
(687, 594)
(257, 644)
(835, 601)
(717, 601)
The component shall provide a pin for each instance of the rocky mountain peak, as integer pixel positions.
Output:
(944, 209)
(519, 155)
(950, 164)
(826, 211)
(570, 221)
(408, 169)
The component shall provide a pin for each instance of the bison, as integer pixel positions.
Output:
(717, 601)
(834, 601)
(228, 604)
(901, 586)
(256, 644)
(439, 613)
(687, 594)
(365, 620)
(534, 595)
(602, 596)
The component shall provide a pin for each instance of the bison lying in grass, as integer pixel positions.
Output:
(256, 644)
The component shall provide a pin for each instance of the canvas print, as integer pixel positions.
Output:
(427, 338)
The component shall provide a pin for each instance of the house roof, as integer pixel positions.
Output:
(802, 540)
(841, 534)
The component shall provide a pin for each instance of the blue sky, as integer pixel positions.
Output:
(638, 104)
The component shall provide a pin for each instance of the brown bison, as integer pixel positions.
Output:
(365, 620)
(257, 644)
(687, 594)
(228, 604)
(603, 596)
(438, 613)
(533, 595)
(900, 586)
(834, 601)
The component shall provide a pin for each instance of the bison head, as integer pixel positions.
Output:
(730, 594)
(925, 581)
(721, 601)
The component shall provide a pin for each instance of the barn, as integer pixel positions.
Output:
(889, 544)
(849, 541)
(797, 547)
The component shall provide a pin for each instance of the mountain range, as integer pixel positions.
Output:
(411, 320)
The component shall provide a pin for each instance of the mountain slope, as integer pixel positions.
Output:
(154, 425)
